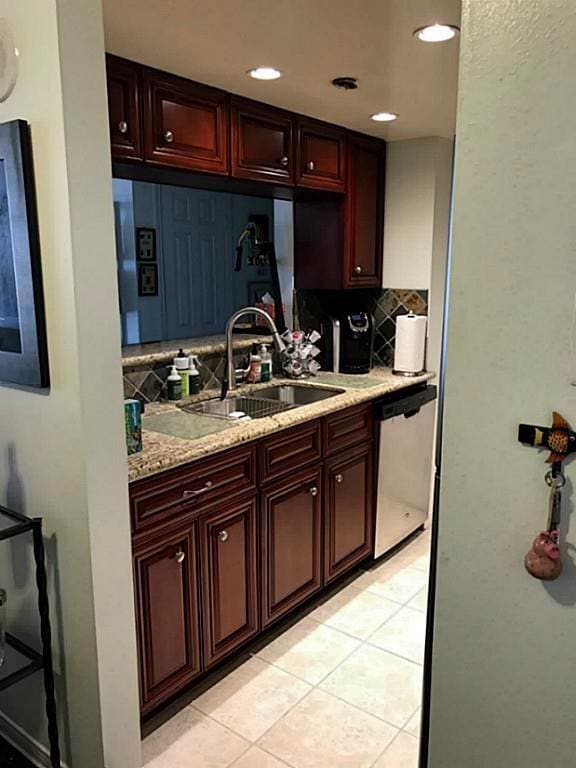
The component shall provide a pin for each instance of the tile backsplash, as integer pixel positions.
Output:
(386, 305)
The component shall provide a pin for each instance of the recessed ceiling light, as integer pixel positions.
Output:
(265, 73)
(436, 33)
(383, 117)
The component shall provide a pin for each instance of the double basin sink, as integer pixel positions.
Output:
(263, 402)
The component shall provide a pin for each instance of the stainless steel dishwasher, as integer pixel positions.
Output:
(405, 460)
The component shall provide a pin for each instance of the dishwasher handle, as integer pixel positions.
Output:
(404, 404)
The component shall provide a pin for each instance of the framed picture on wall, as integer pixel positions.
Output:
(23, 348)
(147, 280)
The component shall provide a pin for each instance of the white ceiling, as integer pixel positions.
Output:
(311, 41)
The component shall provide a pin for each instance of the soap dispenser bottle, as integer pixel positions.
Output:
(174, 383)
(266, 360)
(193, 376)
(181, 362)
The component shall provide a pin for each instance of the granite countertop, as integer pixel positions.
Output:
(163, 351)
(172, 437)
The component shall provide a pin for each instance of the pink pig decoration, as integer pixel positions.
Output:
(543, 560)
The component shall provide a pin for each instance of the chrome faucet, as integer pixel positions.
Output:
(229, 384)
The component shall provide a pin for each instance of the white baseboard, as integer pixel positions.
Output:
(24, 743)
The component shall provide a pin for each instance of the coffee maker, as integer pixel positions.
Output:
(349, 341)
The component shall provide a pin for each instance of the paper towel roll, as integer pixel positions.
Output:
(410, 344)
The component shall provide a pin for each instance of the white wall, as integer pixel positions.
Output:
(503, 686)
(66, 449)
(418, 182)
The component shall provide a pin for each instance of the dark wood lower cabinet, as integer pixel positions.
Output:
(229, 586)
(348, 519)
(291, 516)
(252, 549)
(167, 615)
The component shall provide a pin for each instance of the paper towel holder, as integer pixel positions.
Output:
(411, 374)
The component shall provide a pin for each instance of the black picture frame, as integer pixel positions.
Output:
(147, 279)
(23, 345)
(148, 235)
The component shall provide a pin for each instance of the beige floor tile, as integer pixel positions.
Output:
(422, 563)
(324, 732)
(379, 683)
(355, 612)
(420, 601)
(309, 650)
(256, 758)
(402, 753)
(403, 634)
(400, 587)
(192, 740)
(252, 698)
(413, 725)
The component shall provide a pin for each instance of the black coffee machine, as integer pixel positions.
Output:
(349, 342)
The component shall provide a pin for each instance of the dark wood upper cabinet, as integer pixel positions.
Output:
(262, 146)
(186, 124)
(364, 213)
(349, 510)
(321, 156)
(229, 588)
(167, 615)
(291, 542)
(124, 108)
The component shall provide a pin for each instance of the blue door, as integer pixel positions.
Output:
(197, 261)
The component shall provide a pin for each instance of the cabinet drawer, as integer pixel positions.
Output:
(348, 428)
(290, 450)
(160, 498)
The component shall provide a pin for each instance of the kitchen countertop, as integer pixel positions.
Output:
(163, 351)
(172, 437)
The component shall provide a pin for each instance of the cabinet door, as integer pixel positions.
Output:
(321, 156)
(167, 614)
(349, 510)
(124, 108)
(186, 124)
(229, 589)
(291, 543)
(262, 143)
(364, 213)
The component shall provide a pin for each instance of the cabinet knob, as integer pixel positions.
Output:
(358, 269)
(310, 165)
(223, 535)
(339, 478)
(123, 126)
(168, 136)
(180, 556)
(313, 491)
(284, 161)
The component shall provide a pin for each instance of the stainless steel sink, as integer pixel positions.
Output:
(238, 407)
(294, 395)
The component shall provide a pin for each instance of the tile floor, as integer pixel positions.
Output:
(339, 689)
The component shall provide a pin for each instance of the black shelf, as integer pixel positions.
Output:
(21, 660)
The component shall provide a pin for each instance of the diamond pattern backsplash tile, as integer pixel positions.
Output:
(148, 383)
(385, 305)
(390, 305)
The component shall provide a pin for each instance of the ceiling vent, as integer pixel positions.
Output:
(346, 83)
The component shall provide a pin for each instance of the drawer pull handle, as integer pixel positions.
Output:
(284, 161)
(313, 491)
(223, 535)
(358, 269)
(339, 478)
(123, 126)
(310, 165)
(206, 487)
(180, 556)
(168, 136)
